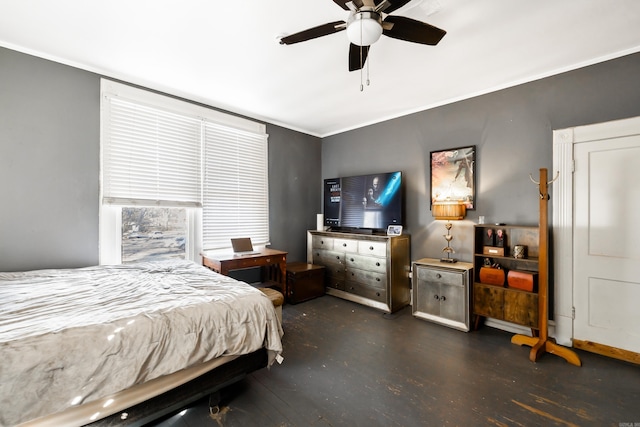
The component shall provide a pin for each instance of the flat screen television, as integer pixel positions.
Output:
(364, 203)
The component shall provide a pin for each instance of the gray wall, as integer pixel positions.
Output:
(512, 130)
(49, 157)
(50, 160)
(294, 193)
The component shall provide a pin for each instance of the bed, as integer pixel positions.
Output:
(81, 345)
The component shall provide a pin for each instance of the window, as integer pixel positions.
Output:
(164, 158)
(236, 195)
(153, 233)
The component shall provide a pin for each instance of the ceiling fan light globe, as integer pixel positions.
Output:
(364, 29)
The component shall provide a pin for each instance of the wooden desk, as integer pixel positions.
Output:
(273, 265)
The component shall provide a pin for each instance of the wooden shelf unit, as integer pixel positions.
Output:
(501, 302)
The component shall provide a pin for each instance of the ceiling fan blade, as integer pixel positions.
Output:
(343, 3)
(315, 32)
(356, 62)
(412, 31)
(394, 5)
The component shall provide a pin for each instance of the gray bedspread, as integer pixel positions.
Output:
(74, 335)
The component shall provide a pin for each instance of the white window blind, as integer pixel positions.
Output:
(236, 196)
(158, 150)
(150, 156)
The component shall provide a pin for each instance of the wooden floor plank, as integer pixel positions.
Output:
(350, 365)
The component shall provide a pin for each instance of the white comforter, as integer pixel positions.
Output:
(72, 336)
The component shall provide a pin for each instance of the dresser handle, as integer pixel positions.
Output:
(370, 248)
(438, 275)
(377, 264)
(351, 259)
(344, 245)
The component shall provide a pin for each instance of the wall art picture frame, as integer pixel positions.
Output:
(453, 175)
(394, 230)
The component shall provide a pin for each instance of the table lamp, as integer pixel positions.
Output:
(449, 210)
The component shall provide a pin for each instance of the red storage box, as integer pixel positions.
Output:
(492, 276)
(525, 280)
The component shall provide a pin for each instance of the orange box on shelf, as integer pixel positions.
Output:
(492, 276)
(524, 280)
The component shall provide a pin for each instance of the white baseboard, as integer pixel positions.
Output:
(516, 329)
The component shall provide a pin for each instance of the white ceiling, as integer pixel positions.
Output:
(225, 53)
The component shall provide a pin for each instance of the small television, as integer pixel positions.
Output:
(364, 203)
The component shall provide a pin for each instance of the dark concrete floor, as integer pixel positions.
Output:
(350, 365)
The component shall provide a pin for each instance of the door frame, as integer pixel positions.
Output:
(564, 141)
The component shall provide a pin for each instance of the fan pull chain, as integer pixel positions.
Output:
(368, 62)
(361, 86)
(361, 64)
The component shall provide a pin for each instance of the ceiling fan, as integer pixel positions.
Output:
(367, 21)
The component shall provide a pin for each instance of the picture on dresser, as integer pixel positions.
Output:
(453, 175)
(394, 230)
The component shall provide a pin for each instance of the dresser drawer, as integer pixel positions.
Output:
(370, 278)
(346, 245)
(334, 282)
(373, 248)
(336, 271)
(325, 257)
(322, 242)
(365, 291)
(378, 265)
(429, 274)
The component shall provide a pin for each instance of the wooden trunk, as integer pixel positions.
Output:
(304, 281)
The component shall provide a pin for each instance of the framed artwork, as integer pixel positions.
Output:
(453, 175)
(394, 230)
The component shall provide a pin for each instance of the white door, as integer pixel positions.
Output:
(606, 276)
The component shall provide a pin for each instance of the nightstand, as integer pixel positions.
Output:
(441, 292)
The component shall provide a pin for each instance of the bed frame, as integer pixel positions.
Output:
(178, 398)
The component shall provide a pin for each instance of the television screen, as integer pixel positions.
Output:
(332, 197)
(372, 201)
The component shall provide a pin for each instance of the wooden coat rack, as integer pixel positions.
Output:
(542, 343)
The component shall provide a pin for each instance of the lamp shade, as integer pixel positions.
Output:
(450, 210)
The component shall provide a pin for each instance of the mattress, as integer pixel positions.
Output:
(72, 336)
